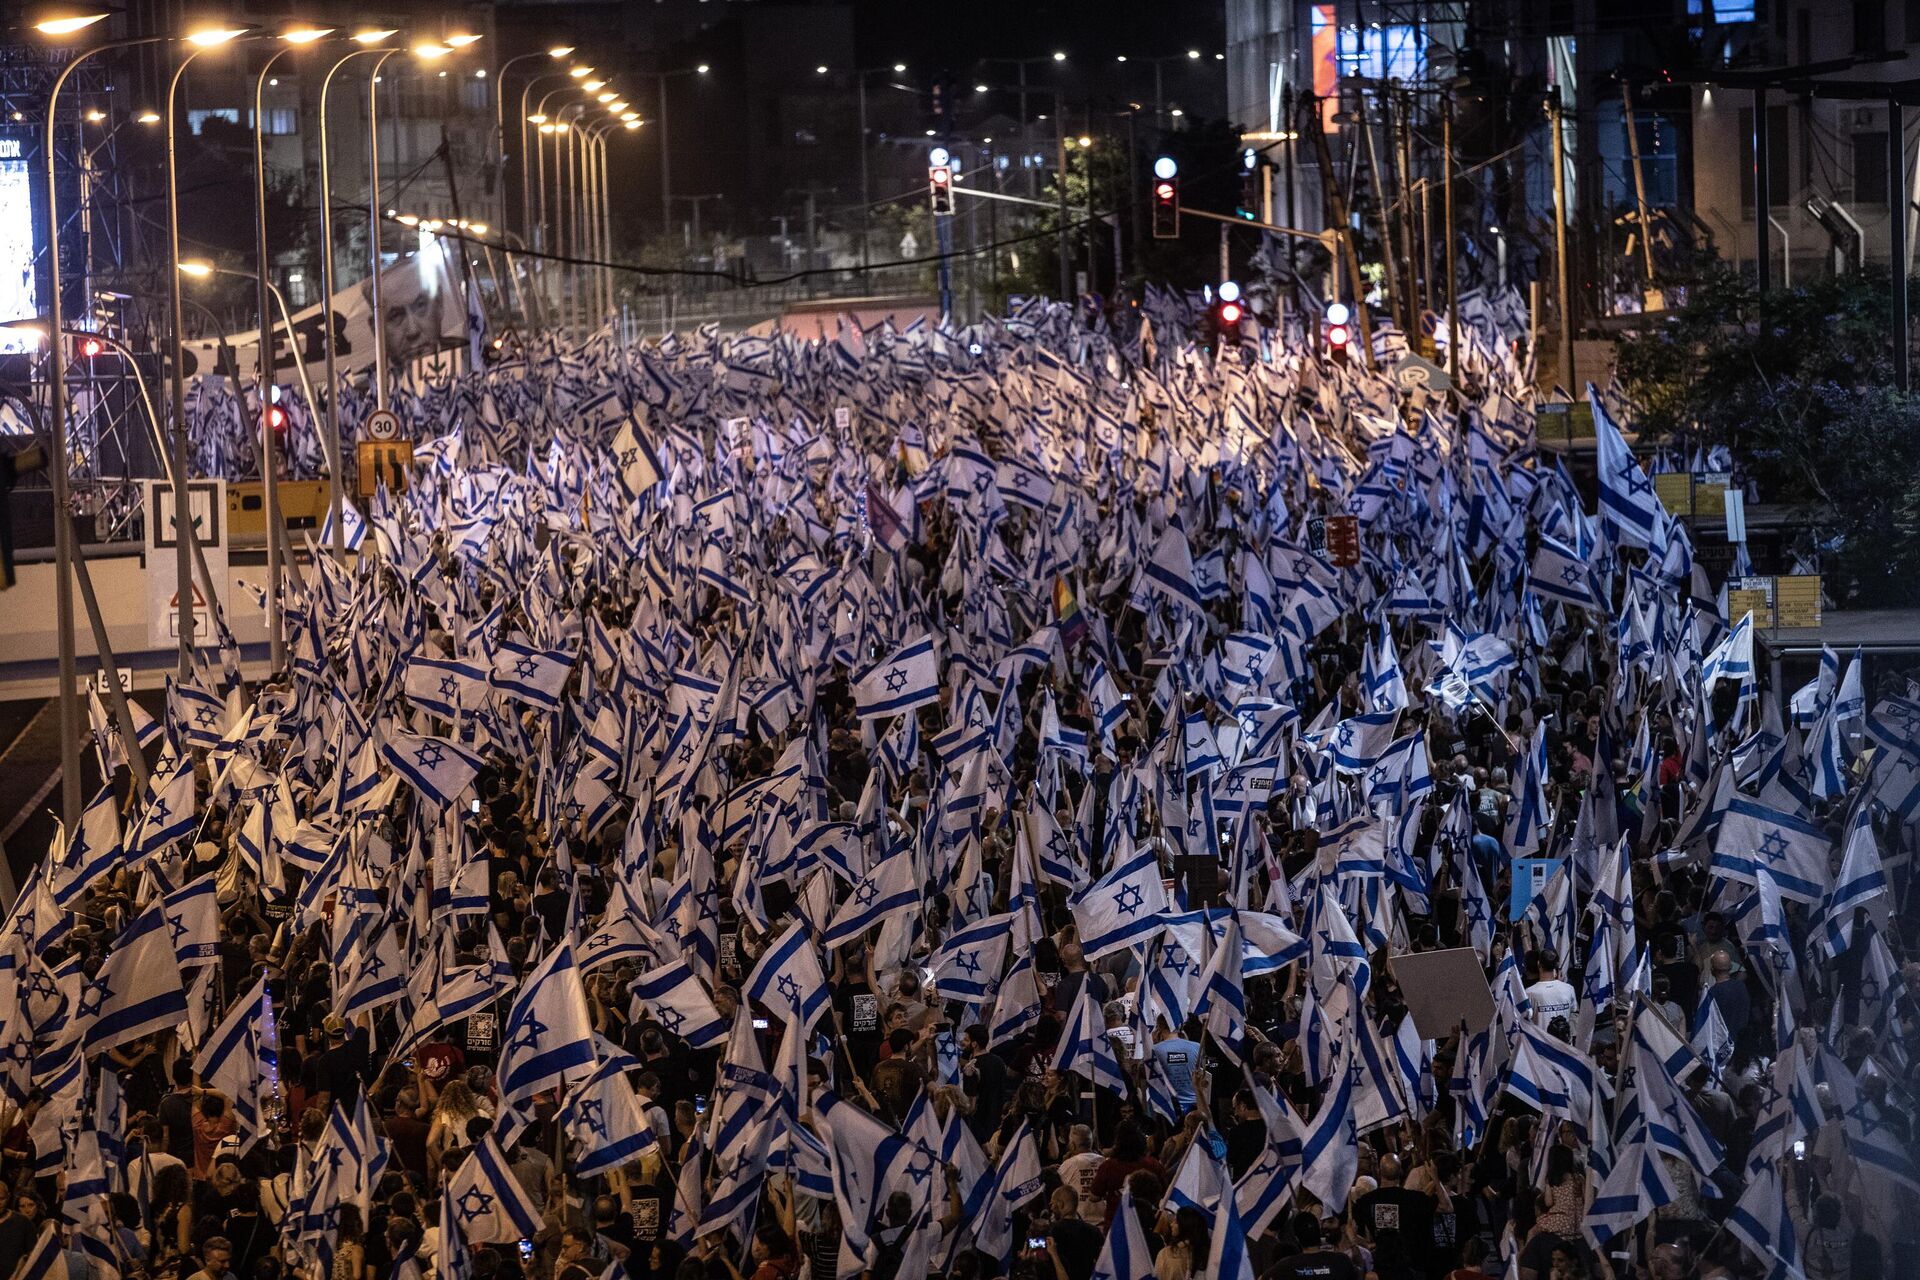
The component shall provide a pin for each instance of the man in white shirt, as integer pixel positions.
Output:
(1551, 997)
(1076, 1171)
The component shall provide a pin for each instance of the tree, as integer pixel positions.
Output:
(1798, 385)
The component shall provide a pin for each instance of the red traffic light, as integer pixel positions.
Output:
(91, 347)
(939, 175)
(1230, 313)
(276, 417)
(1163, 191)
(1337, 335)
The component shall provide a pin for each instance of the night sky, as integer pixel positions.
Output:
(957, 36)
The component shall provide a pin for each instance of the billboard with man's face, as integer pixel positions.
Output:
(425, 316)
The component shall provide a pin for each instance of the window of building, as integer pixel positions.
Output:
(1870, 167)
(195, 119)
(282, 121)
(1777, 184)
(473, 94)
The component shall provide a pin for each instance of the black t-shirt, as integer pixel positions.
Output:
(341, 1070)
(176, 1116)
(1315, 1264)
(1245, 1141)
(1397, 1211)
(1078, 1244)
(551, 906)
(16, 1237)
(991, 1086)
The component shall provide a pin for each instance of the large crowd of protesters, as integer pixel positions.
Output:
(1686, 1061)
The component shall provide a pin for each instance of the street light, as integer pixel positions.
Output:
(63, 551)
(296, 38)
(335, 493)
(67, 24)
(556, 52)
(426, 52)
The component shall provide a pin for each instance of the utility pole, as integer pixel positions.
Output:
(1762, 193)
(1897, 235)
(1060, 182)
(1343, 228)
(1389, 278)
(1446, 169)
(1563, 281)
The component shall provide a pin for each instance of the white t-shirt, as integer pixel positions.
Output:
(1076, 1171)
(1552, 999)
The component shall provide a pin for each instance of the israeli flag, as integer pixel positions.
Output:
(533, 676)
(1628, 505)
(892, 888)
(967, 966)
(137, 990)
(445, 688)
(439, 768)
(680, 1004)
(909, 678)
(548, 1036)
(788, 979)
(1793, 850)
(603, 1118)
(1125, 1255)
(1123, 908)
(1560, 573)
(487, 1200)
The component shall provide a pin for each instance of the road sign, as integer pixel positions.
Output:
(206, 500)
(163, 609)
(1416, 373)
(388, 462)
(381, 424)
(102, 681)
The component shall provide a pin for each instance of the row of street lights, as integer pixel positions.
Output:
(197, 42)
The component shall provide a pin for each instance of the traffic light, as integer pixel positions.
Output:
(276, 417)
(87, 348)
(1338, 331)
(1228, 312)
(1166, 199)
(1249, 207)
(940, 189)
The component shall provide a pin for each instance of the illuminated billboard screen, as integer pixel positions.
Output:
(19, 290)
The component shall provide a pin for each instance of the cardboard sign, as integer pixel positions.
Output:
(481, 1030)
(1343, 541)
(1444, 989)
